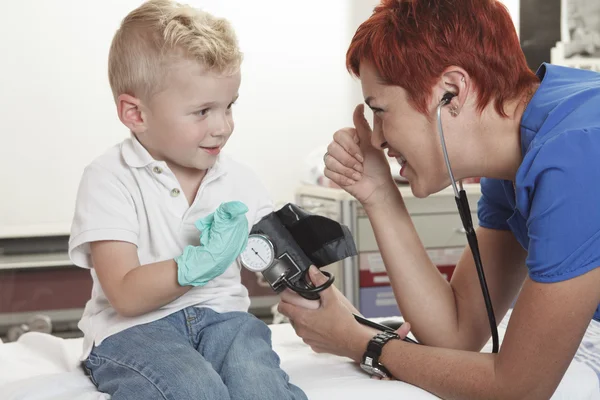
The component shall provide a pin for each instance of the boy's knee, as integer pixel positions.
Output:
(250, 324)
(189, 376)
(192, 384)
(178, 377)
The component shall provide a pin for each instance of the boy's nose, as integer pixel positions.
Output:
(223, 127)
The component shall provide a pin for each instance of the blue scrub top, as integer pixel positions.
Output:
(554, 208)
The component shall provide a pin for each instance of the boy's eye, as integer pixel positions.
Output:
(202, 112)
(230, 105)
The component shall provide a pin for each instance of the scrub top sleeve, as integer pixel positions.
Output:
(564, 218)
(493, 209)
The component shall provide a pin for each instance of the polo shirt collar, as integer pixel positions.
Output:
(136, 156)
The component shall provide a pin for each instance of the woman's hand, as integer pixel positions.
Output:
(355, 165)
(403, 332)
(331, 328)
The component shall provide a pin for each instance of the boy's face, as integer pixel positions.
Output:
(189, 122)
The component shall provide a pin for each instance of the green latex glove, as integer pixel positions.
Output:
(223, 236)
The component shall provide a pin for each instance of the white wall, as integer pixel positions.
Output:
(57, 113)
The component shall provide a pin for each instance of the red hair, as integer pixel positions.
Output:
(411, 43)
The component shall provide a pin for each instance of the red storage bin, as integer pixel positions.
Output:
(372, 270)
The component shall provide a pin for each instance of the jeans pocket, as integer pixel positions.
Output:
(88, 365)
(93, 360)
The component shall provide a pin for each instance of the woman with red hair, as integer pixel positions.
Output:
(535, 138)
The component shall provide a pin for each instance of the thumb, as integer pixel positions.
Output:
(403, 330)
(205, 222)
(232, 209)
(360, 123)
(316, 276)
(318, 279)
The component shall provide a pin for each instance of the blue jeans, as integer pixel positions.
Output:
(195, 353)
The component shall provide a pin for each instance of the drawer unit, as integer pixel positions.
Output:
(435, 230)
(378, 301)
(363, 279)
(376, 295)
(316, 205)
(44, 289)
(439, 203)
(373, 272)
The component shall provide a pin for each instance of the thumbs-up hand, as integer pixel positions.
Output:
(355, 164)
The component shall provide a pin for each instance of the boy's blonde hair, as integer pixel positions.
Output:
(161, 31)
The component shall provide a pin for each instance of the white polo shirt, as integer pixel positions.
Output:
(128, 196)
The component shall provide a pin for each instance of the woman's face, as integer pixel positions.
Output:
(409, 136)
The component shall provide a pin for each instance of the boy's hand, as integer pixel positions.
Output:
(223, 236)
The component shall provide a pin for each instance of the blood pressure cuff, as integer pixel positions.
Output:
(306, 238)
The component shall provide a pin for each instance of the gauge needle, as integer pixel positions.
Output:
(258, 255)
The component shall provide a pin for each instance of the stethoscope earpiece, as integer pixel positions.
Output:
(447, 98)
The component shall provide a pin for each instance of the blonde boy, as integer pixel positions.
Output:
(168, 318)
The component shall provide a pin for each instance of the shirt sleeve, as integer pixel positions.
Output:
(564, 218)
(104, 210)
(493, 209)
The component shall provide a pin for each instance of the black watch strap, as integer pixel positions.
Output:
(375, 347)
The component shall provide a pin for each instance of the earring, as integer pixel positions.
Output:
(454, 111)
(462, 79)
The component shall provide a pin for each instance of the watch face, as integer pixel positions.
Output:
(373, 371)
(259, 253)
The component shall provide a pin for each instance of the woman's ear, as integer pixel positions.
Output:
(130, 113)
(456, 81)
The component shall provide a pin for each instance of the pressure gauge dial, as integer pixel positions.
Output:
(259, 253)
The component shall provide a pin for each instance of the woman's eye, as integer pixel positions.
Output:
(230, 105)
(376, 110)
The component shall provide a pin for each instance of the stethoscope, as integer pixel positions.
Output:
(465, 215)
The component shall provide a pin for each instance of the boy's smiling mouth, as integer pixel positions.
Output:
(213, 150)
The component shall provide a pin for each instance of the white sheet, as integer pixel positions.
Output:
(43, 367)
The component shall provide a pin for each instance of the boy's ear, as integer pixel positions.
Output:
(130, 113)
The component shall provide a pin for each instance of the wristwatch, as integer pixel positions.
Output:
(370, 360)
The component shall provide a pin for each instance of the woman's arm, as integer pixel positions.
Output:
(544, 332)
(543, 335)
(446, 314)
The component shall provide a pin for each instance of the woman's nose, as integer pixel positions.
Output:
(377, 138)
